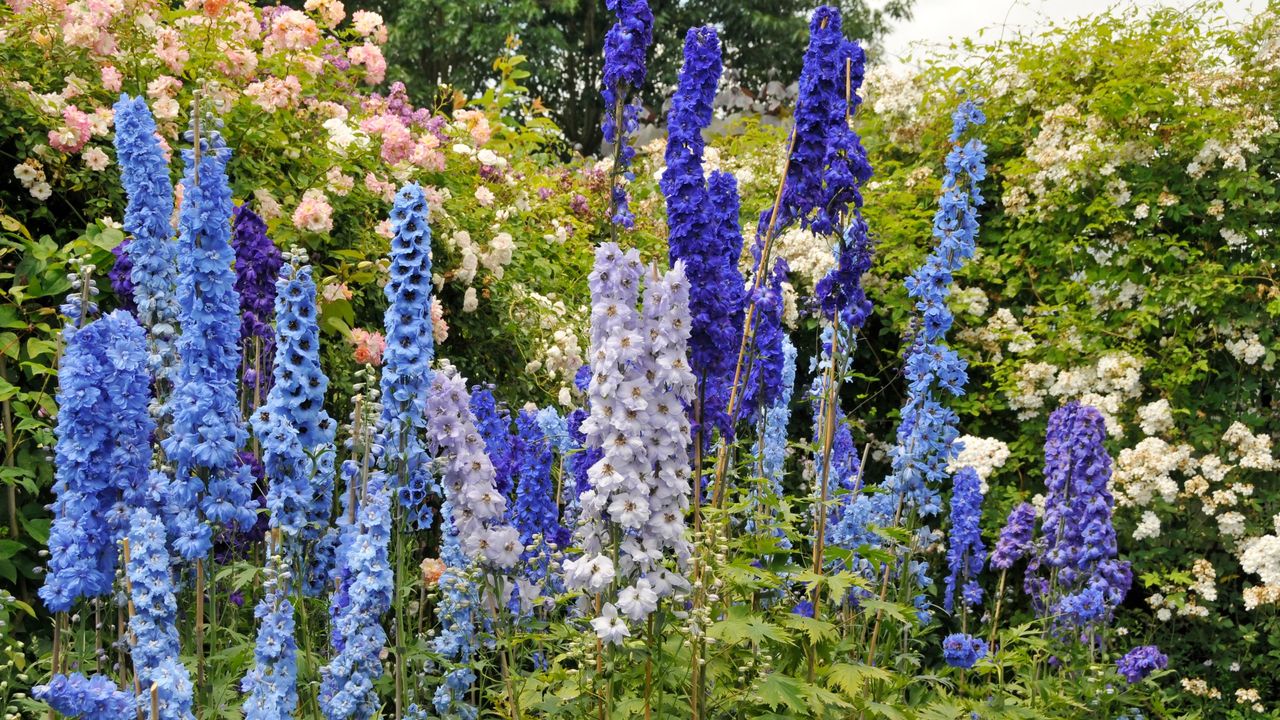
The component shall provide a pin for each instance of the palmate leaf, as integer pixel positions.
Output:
(740, 626)
(817, 630)
(940, 710)
(852, 678)
(779, 690)
(879, 709)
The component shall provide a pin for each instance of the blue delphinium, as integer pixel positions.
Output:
(1086, 581)
(121, 276)
(702, 220)
(624, 72)
(295, 432)
(258, 263)
(772, 447)
(845, 166)
(494, 423)
(966, 553)
(1140, 662)
(406, 361)
(272, 684)
(102, 455)
(927, 431)
(1015, 538)
(92, 698)
(208, 431)
(960, 650)
(840, 292)
(536, 515)
(144, 173)
(346, 683)
(456, 642)
(155, 612)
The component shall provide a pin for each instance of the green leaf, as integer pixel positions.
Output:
(778, 690)
(852, 678)
(816, 630)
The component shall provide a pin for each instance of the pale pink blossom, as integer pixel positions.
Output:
(275, 93)
(74, 133)
(426, 157)
(370, 57)
(368, 346)
(384, 190)
(291, 30)
(314, 213)
(339, 184)
(95, 159)
(168, 47)
(266, 204)
(333, 292)
(100, 121)
(384, 229)
(484, 196)
(331, 12)
(439, 328)
(369, 24)
(476, 123)
(163, 86)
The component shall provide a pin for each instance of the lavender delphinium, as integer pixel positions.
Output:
(102, 455)
(272, 684)
(468, 477)
(406, 361)
(153, 627)
(624, 72)
(258, 263)
(152, 254)
(966, 553)
(208, 430)
(1140, 662)
(91, 698)
(1015, 538)
(702, 219)
(346, 683)
(638, 489)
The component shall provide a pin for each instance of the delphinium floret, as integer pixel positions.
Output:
(625, 46)
(1015, 538)
(153, 627)
(92, 698)
(1140, 662)
(960, 650)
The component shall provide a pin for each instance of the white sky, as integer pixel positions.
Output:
(936, 22)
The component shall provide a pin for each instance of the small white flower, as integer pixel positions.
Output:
(639, 601)
(609, 627)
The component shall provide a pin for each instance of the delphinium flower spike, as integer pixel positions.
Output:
(702, 220)
(258, 262)
(457, 611)
(1140, 662)
(772, 445)
(1015, 538)
(536, 514)
(102, 456)
(406, 361)
(208, 430)
(272, 684)
(91, 698)
(153, 626)
(152, 254)
(764, 380)
(625, 46)
(365, 591)
(494, 423)
(966, 553)
(1086, 580)
(295, 432)
(468, 476)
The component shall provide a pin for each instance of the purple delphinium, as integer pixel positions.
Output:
(846, 167)
(625, 46)
(702, 219)
(1088, 582)
(494, 423)
(1140, 662)
(536, 514)
(121, 276)
(840, 292)
(764, 383)
(1015, 538)
(966, 553)
(258, 263)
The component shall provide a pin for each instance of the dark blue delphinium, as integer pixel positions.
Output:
(1015, 538)
(966, 553)
(494, 423)
(1140, 662)
(258, 263)
(960, 650)
(625, 46)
